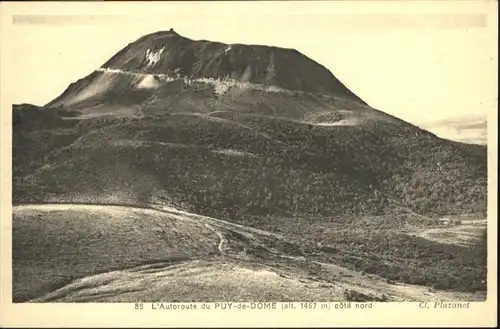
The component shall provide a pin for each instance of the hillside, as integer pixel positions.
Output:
(206, 161)
(259, 136)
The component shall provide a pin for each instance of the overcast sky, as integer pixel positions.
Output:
(417, 61)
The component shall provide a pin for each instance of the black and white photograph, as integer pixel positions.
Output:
(249, 155)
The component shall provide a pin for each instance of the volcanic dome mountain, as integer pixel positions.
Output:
(240, 132)
(168, 53)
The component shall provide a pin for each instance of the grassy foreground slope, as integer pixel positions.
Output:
(53, 248)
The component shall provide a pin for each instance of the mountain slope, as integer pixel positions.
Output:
(250, 164)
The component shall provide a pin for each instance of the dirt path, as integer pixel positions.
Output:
(222, 240)
(464, 234)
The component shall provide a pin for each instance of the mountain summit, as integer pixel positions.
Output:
(169, 53)
(166, 55)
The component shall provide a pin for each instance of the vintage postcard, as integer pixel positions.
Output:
(257, 164)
